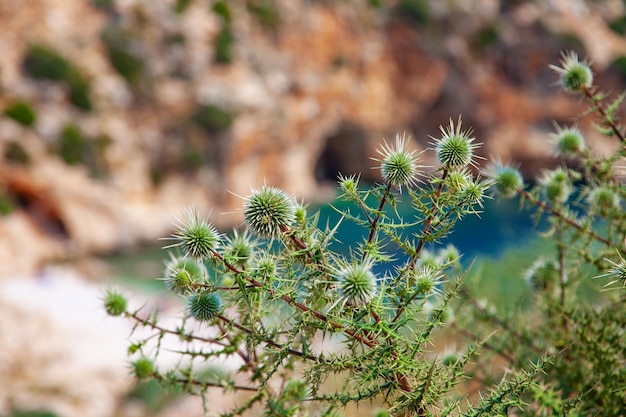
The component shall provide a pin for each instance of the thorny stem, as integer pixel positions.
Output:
(268, 341)
(153, 325)
(203, 384)
(588, 92)
(562, 277)
(525, 194)
(290, 300)
(374, 222)
(429, 220)
(486, 344)
(420, 245)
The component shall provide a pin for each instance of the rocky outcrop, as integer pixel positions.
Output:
(142, 108)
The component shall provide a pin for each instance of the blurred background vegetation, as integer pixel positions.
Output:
(117, 114)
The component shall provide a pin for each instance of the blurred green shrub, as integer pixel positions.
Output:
(44, 63)
(213, 119)
(15, 153)
(124, 60)
(21, 112)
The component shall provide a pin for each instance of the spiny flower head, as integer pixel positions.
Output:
(204, 306)
(505, 179)
(356, 282)
(398, 165)
(574, 75)
(542, 275)
(265, 267)
(567, 141)
(239, 248)
(427, 280)
(349, 186)
(115, 303)
(142, 368)
(268, 210)
(455, 147)
(182, 274)
(196, 237)
(616, 271)
(602, 199)
(556, 186)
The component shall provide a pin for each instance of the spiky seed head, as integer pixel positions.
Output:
(455, 148)
(349, 185)
(542, 275)
(567, 141)
(574, 74)
(356, 283)
(239, 248)
(556, 186)
(115, 303)
(182, 274)
(268, 210)
(602, 199)
(398, 165)
(196, 236)
(450, 255)
(427, 280)
(142, 368)
(265, 267)
(616, 271)
(204, 306)
(506, 180)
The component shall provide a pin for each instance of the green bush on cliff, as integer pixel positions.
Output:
(44, 63)
(390, 321)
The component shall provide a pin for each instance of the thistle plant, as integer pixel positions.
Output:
(315, 325)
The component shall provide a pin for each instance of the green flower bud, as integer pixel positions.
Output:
(567, 141)
(603, 199)
(455, 148)
(239, 248)
(268, 210)
(356, 283)
(115, 303)
(574, 74)
(506, 180)
(182, 274)
(542, 275)
(196, 237)
(204, 306)
(142, 368)
(556, 186)
(427, 280)
(398, 166)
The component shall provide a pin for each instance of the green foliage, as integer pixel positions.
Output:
(7, 203)
(44, 63)
(181, 5)
(213, 119)
(416, 12)
(15, 153)
(265, 12)
(123, 58)
(543, 336)
(223, 11)
(21, 112)
(75, 148)
(223, 45)
(154, 394)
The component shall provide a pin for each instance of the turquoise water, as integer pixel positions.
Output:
(502, 225)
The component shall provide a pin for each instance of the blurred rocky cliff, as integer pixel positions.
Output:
(117, 114)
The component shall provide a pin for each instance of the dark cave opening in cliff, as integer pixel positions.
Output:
(345, 152)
